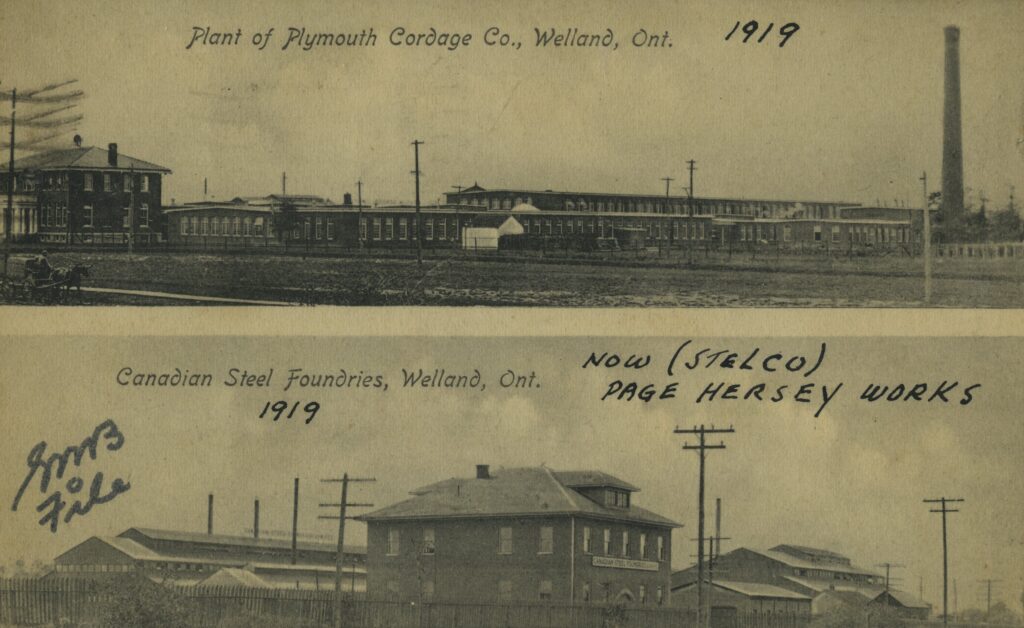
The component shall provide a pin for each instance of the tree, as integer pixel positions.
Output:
(1006, 225)
(286, 219)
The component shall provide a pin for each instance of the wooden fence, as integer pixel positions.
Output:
(81, 603)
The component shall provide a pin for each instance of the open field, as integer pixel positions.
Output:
(523, 280)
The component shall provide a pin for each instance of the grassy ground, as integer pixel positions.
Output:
(713, 281)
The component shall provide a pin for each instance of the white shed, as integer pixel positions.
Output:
(486, 229)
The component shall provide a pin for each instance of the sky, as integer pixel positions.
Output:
(851, 480)
(850, 109)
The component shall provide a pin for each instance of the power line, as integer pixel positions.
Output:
(341, 517)
(701, 448)
(889, 566)
(945, 546)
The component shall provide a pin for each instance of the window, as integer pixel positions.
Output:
(214, 226)
(607, 541)
(505, 540)
(145, 214)
(625, 543)
(389, 228)
(642, 597)
(144, 180)
(427, 590)
(362, 228)
(319, 228)
(430, 228)
(588, 546)
(204, 225)
(442, 233)
(225, 226)
(193, 225)
(247, 227)
(330, 229)
(184, 223)
(643, 545)
(585, 592)
(505, 590)
(835, 233)
(403, 229)
(307, 229)
(107, 186)
(545, 589)
(87, 180)
(392, 542)
(661, 548)
(127, 183)
(660, 596)
(376, 228)
(787, 233)
(547, 540)
(429, 546)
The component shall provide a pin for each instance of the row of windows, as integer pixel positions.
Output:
(57, 216)
(384, 229)
(159, 566)
(236, 226)
(110, 181)
(628, 546)
(722, 208)
(605, 228)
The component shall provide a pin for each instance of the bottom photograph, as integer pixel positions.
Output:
(703, 482)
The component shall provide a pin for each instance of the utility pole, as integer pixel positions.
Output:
(284, 184)
(419, 227)
(131, 210)
(359, 225)
(945, 554)
(927, 242)
(342, 515)
(988, 603)
(715, 551)
(668, 181)
(295, 522)
(888, 566)
(701, 448)
(693, 166)
(9, 210)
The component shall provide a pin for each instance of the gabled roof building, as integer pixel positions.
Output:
(520, 535)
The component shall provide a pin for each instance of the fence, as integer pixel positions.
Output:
(70, 602)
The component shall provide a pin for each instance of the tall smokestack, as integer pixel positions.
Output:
(952, 144)
(209, 514)
(112, 155)
(256, 521)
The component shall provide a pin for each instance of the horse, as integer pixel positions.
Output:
(68, 278)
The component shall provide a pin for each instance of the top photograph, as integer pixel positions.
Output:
(584, 155)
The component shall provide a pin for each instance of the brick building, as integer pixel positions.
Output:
(88, 194)
(189, 558)
(682, 221)
(520, 535)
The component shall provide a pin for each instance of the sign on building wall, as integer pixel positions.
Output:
(625, 563)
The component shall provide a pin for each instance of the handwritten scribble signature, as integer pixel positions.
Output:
(53, 467)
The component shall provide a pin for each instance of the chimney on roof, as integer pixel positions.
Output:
(209, 503)
(112, 154)
(347, 199)
(256, 521)
(78, 141)
(483, 472)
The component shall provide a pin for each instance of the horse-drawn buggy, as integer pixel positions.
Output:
(41, 283)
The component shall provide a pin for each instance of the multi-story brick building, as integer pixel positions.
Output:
(88, 194)
(521, 535)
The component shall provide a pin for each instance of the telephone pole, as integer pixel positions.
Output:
(9, 210)
(342, 516)
(988, 603)
(359, 209)
(692, 167)
(889, 566)
(945, 547)
(668, 181)
(419, 228)
(701, 448)
(927, 241)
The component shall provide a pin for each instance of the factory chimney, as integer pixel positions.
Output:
(209, 514)
(952, 144)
